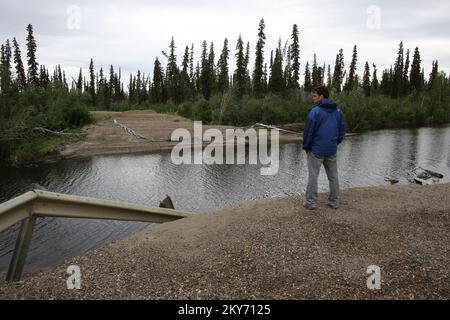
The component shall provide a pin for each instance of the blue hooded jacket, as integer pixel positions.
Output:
(324, 129)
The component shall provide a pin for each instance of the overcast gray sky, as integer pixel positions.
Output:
(131, 34)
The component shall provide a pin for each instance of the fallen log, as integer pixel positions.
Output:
(275, 128)
(433, 173)
(426, 181)
(129, 130)
(47, 131)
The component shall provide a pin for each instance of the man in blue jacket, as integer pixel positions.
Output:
(324, 131)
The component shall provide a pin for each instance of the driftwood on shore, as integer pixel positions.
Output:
(281, 130)
(275, 128)
(433, 173)
(426, 177)
(129, 130)
(56, 133)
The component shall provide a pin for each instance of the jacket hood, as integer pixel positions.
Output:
(328, 105)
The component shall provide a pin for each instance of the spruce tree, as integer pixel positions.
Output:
(405, 79)
(157, 88)
(315, 73)
(397, 81)
(223, 76)
(103, 91)
(112, 84)
(277, 81)
(415, 76)
(320, 76)
(59, 74)
(338, 74)
(295, 58)
(258, 72)
(66, 86)
(386, 82)
(191, 73)
(185, 82)
(269, 78)
(172, 73)
(21, 78)
(329, 78)
(44, 79)
(138, 97)
(92, 83)
(118, 86)
(248, 81)
(143, 91)
(351, 81)
(6, 66)
(5, 82)
(212, 69)
(375, 83)
(205, 70)
(308, 81)
(265, 78)
(288, 69)
(197, 76)
(131, 90)
(185, 62)
(241, 69)
(191, 62)
(33, 77)
(79, 84)
(85, 85)
(366, 80)
(433, 74)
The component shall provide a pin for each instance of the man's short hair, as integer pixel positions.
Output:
(322, 91)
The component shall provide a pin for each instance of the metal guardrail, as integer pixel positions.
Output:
(38, 203)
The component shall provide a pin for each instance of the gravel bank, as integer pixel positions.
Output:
(274, 249)
(106, 138)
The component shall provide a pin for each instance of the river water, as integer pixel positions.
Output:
(364, 160)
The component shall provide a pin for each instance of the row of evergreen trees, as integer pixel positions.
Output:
(32, 98)
(181, 83)
(212, 76)
(201, 89)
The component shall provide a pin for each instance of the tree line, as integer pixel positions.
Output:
(211, 90)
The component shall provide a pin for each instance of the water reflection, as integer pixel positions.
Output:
(364, 160)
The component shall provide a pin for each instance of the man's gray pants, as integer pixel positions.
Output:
(314, 164)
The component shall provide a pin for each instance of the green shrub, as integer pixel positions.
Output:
(77, 117)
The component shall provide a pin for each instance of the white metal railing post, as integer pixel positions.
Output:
(21, 250)
(34, 204)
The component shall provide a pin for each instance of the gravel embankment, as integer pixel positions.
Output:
(273, 249)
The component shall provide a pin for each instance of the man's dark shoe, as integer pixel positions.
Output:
(333, 206)
(309, 206)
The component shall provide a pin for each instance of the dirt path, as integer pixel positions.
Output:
(107, 138)
(274, 248)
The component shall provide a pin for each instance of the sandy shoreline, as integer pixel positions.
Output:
(273, 249)
(106, 138)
